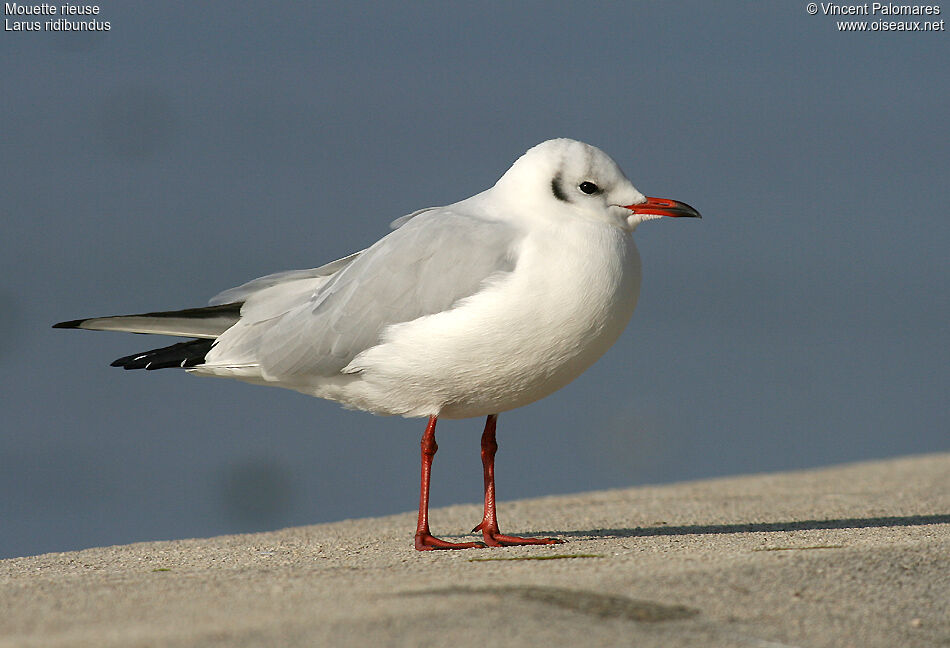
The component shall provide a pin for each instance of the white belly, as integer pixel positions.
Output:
(516, 341)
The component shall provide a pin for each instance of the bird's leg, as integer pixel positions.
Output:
(489, 523)
(425, 540)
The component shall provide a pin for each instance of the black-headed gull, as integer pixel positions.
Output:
(471, 309)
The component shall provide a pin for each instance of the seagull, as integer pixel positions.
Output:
(466, 310)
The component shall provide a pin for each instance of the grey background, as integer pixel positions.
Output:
(195, 146)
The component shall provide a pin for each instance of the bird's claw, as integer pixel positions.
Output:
(501, 540)
(428, 542)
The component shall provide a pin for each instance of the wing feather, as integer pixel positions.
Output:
(245, 290)
(432, 261)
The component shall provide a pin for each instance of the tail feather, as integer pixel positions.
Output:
(207, 322)
(182, 354)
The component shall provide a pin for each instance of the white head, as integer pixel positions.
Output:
(564, 174)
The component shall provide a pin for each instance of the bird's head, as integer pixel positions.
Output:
(564, 177)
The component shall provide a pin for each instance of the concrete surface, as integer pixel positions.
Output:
(856, 555)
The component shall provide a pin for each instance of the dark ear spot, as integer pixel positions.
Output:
(556, 188)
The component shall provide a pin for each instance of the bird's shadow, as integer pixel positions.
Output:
(759, 527)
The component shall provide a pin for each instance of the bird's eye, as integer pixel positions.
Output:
(588, 187)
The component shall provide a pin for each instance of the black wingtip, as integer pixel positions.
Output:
(180, 355)
(69, 324)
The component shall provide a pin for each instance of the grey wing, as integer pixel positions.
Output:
(402, 220)
(431, 262)
(239, 294)
(245, 290)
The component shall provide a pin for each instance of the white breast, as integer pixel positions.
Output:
(525, 335)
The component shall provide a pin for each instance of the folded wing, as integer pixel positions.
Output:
(433, 261)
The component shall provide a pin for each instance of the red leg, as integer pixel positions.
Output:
(489, 523)
(425, 540)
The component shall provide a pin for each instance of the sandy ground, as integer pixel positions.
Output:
(856, 555)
